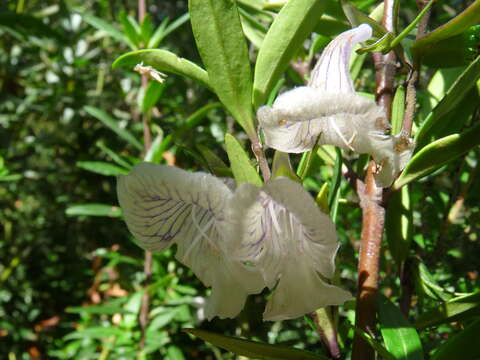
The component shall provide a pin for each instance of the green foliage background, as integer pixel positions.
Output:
(71, 278)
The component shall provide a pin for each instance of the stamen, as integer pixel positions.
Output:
(337, 130)
(201, 232)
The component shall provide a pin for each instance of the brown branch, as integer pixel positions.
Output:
(147, 265)
(411, 93)
(257, 149)
(373, 210)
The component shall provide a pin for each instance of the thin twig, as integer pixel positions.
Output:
(411, 93)
(410, 105)
(147, 266)
(373, 210)
(257, 149)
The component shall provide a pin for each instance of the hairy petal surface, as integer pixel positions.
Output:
(292, 243)
(163, 205)
(329, 112)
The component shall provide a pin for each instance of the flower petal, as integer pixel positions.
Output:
(281, 226)
(392, 153)
(163, 205)
(303, 116)
(332, 74)
(300, 291)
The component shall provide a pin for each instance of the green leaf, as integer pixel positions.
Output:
(243, 170)
(101, 167)
(215, 164)
(96, 332)
(399, 224)
(131, 29)
(398, 109)
(114, 156)
(376, 345)
(165, 29)
(456, 309)
(151, 95)
(97, 309)
(400, 337)
(460, 23)
(463, 345)
(253, 349)
(154, 154)
(164, 60)
(437, 154)
(146, 29)
(426, 283)
(174, 353)
(290, 28)
(113, 125)
(322, 198)
(93, 210)
(449, 102)
(104, 26)
(29, 26)
(334, 193)
(218, 33)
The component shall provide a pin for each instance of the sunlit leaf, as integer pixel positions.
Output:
(243, 170)
(164, 60)
(93, 210)
(290, 28)
(452, 98)
(456, 309)
(460, 23)
(102, 168)
(399, 224)
(437, 154)
(223, 48)
(400, 337)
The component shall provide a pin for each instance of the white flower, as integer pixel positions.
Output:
(163, 205)
(292, 243)
(329, 111)
(239, 242)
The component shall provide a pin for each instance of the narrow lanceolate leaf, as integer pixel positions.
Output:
(102, 168)
(290, 28)
(400, 337)
(101, 24)
(456, 309)
(243, 170)
(94, 210)
(469, 17)
(111, 123)
(218, 33)
(461, 346)
(437, 154)
(253, 349)
(398, 109)
(164, 60)
(399, 224)
(452, 98)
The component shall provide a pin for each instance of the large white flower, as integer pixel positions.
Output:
(329, 111)
(163, 205)
(239, 242)
(292, 243)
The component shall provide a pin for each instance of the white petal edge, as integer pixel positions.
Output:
(332, 73)
(303, 116)
(283, 227)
